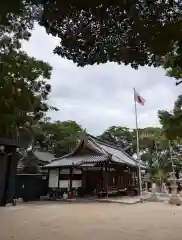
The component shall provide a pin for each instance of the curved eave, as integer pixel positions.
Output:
(76, 161)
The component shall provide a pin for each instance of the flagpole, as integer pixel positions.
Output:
(138, 147)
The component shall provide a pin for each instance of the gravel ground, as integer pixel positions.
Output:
(86, 221)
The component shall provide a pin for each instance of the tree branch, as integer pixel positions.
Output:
(177, 83)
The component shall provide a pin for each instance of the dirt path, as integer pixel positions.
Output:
(91, 221)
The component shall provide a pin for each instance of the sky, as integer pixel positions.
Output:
(100, 96)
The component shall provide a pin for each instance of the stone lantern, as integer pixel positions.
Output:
(146, 179)
(154, 196)
(164, 190)
(180, 182)
(174, 198)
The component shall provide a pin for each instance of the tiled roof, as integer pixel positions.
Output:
(94, 159)
(39, 158)
(102, 151)
(43, 155)
(118, 154)
(76, 160)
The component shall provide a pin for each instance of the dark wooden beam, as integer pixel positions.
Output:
(101, 179)
(58, 178)
(83, 181)
(71, 180)
(106, 179)
(177, 83)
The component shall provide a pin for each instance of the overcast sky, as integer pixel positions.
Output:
(102, 95)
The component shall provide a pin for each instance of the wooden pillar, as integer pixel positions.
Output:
(137, 179)
(125, 178)
(106, 179)
(83, 183)
(119, 177)
(134, 177)
(71, 179)
(124, 184)
(59, 192)
(101, 180)
(58, 176)
(132, 182)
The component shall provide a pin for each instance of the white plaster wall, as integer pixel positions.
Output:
(67, 171)
(65, 183)
(53, 178)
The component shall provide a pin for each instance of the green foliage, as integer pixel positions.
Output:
(129, 32)
(173, 63)
(18, 17)
(122, 137)
(61, 137)
(23, 80)
(172, 121)
(159, 175)
(23, 88)
(154, 148)
(28, 163)
(155, 153)
(58, 137)
(172, 128)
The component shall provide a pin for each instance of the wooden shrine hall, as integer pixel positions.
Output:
(95, 167)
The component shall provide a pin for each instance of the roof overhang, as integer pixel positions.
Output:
(72, 161)
(102, 153)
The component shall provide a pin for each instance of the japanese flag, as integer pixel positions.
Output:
(138, 98)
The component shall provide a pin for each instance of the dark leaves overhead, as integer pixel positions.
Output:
(137, 32)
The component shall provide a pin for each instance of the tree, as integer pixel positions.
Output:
(18, 17)
(23, 79)
(155, 154)
(58, 137)
(172, 127)
(173, 66)
(154, 148)
(23, 88)
(172, 121)
(129, 32)
(122, 137)
(28, 163)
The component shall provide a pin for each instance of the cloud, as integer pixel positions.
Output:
(100, 96)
